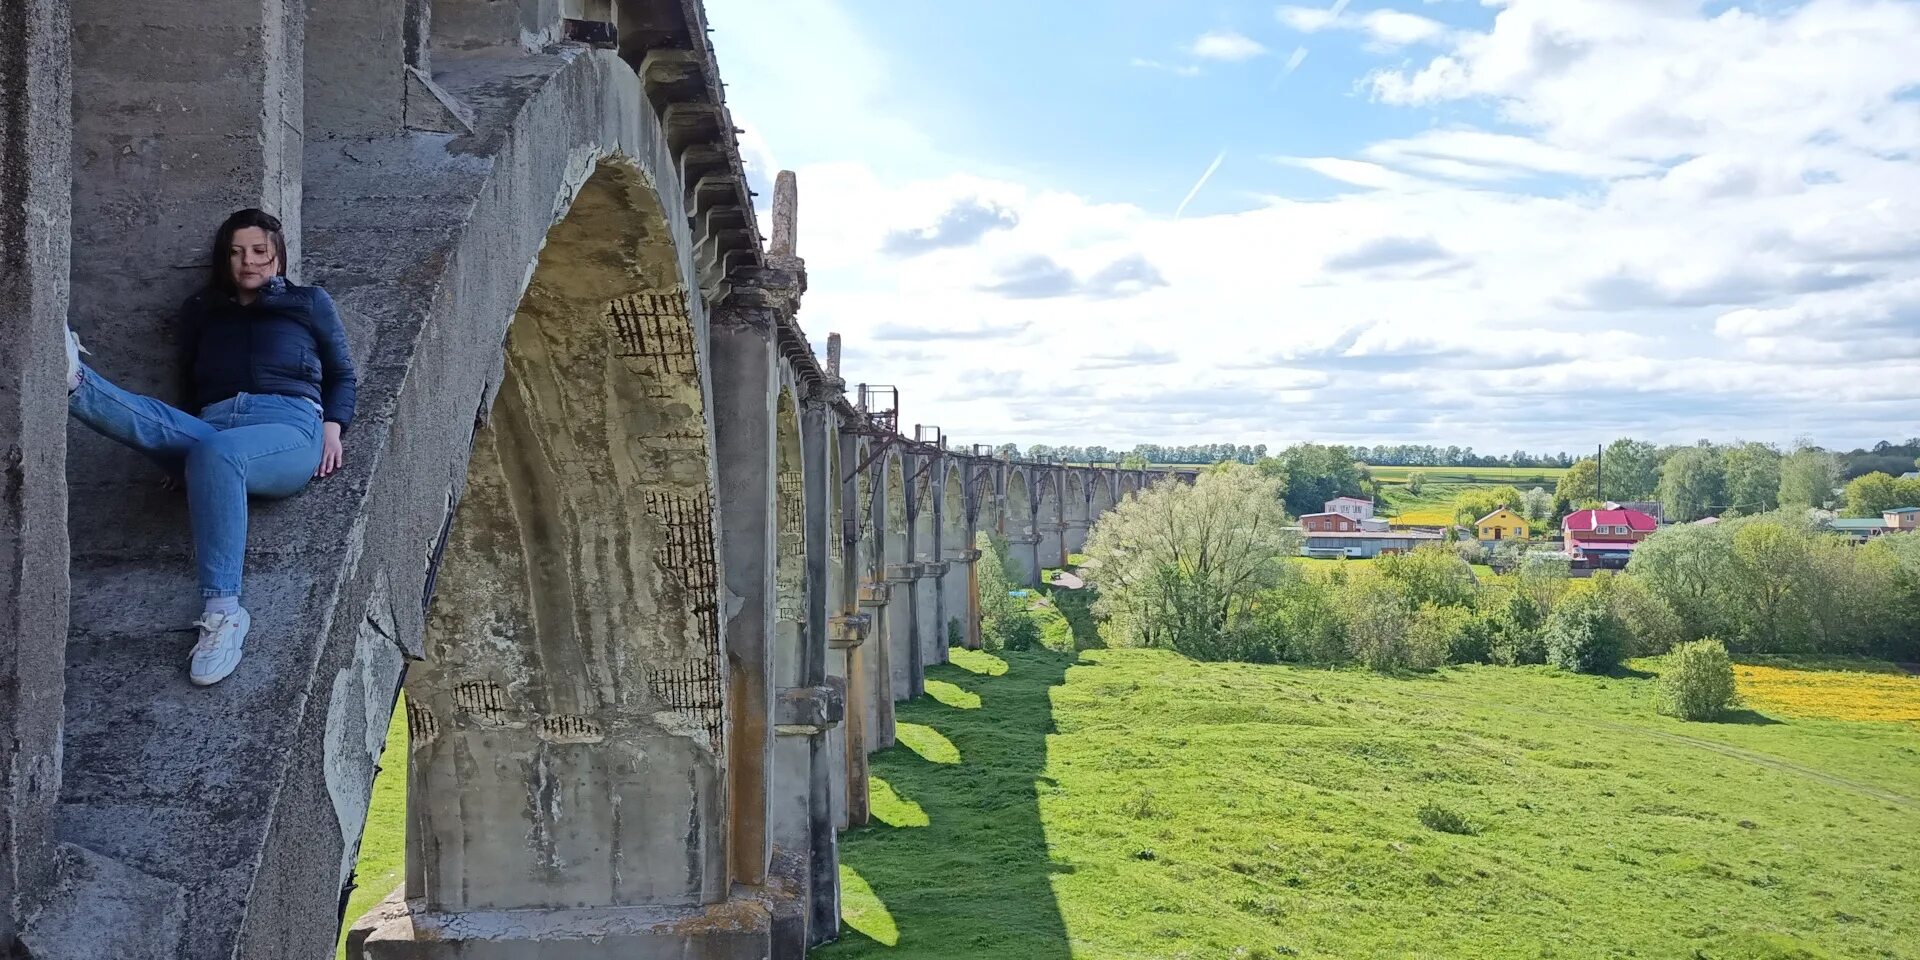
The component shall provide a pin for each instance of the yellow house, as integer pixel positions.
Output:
(1502, 524)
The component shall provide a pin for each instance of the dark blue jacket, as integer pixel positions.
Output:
(288, 341)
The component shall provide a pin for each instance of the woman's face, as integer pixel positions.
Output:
(252, 258)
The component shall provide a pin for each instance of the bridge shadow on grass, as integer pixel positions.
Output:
(955, 862)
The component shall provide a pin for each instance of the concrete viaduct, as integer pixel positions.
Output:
(650, 577)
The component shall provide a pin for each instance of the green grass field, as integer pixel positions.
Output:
(1133, 804)
(383, 846)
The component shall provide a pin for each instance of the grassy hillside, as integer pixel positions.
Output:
(1433, 505)
(1134, 804)
(1518, 476)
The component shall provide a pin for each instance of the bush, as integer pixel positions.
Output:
(1697, 683)
(1441, 635)
(1378, 623)
(1514, 628)
(1018, 632)
(1440, 818)
(956, 637)
(1584, 635)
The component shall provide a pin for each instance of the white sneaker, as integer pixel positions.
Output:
(74, 350)
(218, 652)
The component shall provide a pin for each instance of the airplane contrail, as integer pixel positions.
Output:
(1197, 184)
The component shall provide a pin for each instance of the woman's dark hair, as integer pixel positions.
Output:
(222, 278)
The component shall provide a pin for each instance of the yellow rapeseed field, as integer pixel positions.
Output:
(1834, 694)
(1422, 518)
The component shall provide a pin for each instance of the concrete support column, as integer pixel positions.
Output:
(1024, 551)
(848, 636)
(872, 665)
(812, 715)
(957, 588)
(35, 158)
(903, 632)
(746, 388)
(1076, 535)
(1053, 544)
(973, 601)
(932, 639)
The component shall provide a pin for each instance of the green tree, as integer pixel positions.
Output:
(1315, 473)
(1380, 622)
(1584, 635)
(1873, 494)
(1416, 481)
(1178, 564)
(1752, 472)
(1807, 478)
(1537, 505)
(1133, 461)
(1770, 563)
(1430, 575)
(1692, 483)
(1476, 502)
(1691, 568)
(1005, 621)
(1577, 483)
(1631, 470)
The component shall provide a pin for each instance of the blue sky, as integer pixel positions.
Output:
(1539, 223)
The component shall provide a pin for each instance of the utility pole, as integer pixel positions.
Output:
(1599, 488)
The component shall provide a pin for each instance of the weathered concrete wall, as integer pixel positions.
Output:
(34, 195)
(553, 485)
(572, 678)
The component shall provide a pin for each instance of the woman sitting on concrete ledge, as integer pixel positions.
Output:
(268, 368)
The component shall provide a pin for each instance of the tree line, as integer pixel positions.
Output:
(1731, 480)
(1211, 570)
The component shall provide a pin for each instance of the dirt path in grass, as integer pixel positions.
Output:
(1768, 760)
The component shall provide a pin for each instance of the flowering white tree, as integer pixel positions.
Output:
(1176, 564)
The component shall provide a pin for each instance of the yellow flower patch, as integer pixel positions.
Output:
(1832, 694)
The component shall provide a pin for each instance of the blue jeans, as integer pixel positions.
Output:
(261, 444)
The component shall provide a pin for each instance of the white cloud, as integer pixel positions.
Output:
(1177, 69)
(1226, 45)
(1387, 29)
(1682, 225)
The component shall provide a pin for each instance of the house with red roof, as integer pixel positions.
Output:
(1605, 537)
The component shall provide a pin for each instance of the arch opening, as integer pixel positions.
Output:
(574, 681)
(898, 554)
(956, 623)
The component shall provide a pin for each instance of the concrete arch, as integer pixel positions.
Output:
(1102, 497)
(789, 828)
(1050, 523)
(956, 546)
(872, 657)
(929, 631)
(897, 550)
(573, 640)
(790, 541)
(1129, 484)
(1023, 564)
(1079, 511)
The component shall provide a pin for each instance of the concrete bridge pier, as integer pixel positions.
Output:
(35, 179)
(903, 646)
(928, 608)
(1023, 554)
(1074, 533)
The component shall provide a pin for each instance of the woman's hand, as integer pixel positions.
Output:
(331, 455)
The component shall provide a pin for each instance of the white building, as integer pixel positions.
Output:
(1355, 507)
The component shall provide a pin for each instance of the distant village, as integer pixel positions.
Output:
(1596, 538)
